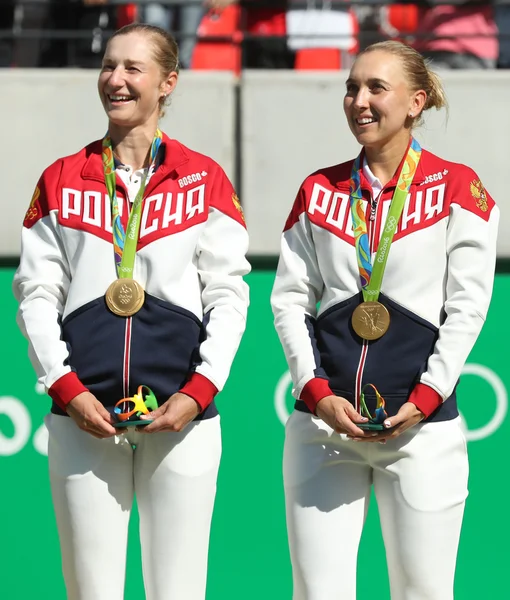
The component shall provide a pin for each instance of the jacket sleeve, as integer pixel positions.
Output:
(40, 286)
(222, 263)
(297, 289)
(471, 251)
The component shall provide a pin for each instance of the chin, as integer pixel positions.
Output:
(122, 121)
(366, 138)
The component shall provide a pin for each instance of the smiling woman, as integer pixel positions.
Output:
(388, 89)
(383, 285)
(131, 278)
(139, 72)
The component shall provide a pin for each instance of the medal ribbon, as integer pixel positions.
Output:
(371, 275)
(124, 246)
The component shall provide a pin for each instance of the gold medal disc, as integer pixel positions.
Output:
(370, 320)
(125, 297)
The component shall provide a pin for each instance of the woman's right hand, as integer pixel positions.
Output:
(91, 416)
(341, 416)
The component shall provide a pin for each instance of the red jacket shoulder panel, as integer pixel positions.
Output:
(222, 194)
(463, 186)
(468, 191)
(45, 197)
(329, 178)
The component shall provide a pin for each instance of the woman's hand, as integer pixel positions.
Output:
(174, 415)
(408, 416)
(91, 416)
(341, 416)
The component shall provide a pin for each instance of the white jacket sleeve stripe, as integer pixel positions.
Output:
(40, 286)
(297, 290)
(471, 250)
(221, 267)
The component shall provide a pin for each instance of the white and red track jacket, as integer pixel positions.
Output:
(437, 287)
(190, 261)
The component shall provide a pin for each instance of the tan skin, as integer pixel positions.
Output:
(130, 71)
(219, 4)
(377, 89)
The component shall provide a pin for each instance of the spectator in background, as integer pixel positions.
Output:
(459, 37)
(93, 17)
(188, 14)
(27, 50)
(6, 20)
(502, 16)
(267, 49)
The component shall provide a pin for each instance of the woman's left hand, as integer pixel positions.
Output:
(408, 416)
(174, 415)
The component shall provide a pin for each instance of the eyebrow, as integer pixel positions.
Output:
(129, 62)
(372, 80)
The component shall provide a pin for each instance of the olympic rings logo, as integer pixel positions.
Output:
(493, 423)
(390, 225)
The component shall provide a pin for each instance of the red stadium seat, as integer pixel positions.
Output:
(223, 53)
(308, 59)
(402, 18)
(126, 14)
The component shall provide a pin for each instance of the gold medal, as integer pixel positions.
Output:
(370, 320)
(125, 297)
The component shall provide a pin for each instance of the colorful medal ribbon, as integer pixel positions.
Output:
(371, 275)
(380, 413)
(124, 247)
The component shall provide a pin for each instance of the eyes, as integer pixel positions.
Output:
(352, 89)
(110, 68)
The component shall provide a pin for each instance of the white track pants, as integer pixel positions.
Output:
(93, 483)
(420, 481)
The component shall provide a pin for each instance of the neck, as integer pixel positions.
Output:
(132, 145)
(384, 161)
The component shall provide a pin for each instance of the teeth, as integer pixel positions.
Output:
(366, 120)
(120, 98)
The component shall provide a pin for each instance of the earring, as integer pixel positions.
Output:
(411, 114)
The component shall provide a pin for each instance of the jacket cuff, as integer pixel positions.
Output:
(425, 399)
(65, 389)
(200, 389)
(314, 391)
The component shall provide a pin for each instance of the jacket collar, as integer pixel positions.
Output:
(172, 155)
(419, 176)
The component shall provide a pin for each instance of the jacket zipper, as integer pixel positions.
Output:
(126, 363)
(371, 230)
(127, 358)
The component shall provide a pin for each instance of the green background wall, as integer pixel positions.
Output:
(248, 554)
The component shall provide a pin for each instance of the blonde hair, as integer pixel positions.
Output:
(417, 71)
(165, 49)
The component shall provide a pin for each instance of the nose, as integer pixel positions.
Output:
(361, 98)
(116, 78)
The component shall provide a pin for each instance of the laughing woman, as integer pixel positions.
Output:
(105, 313)
(397, 247)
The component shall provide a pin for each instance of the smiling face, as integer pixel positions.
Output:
(378, 100)
(131, 84)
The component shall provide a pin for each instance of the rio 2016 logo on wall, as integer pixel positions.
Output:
(22, 424)
(492, 421)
